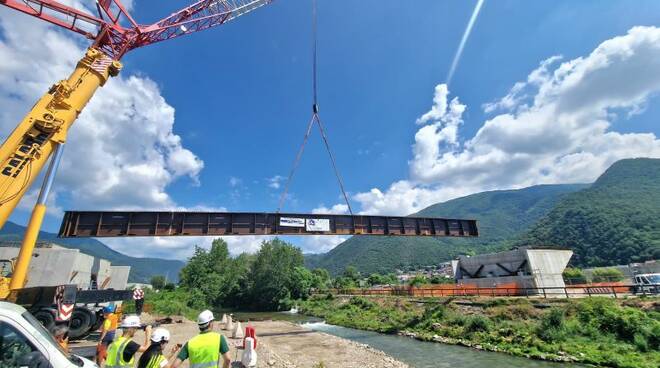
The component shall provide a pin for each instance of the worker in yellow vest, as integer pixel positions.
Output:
(205, 349)
(155, 357)
(121, 353)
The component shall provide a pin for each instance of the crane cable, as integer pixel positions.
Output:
(315, 119)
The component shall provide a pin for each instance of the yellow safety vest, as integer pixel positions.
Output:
(116, 354)
(204, 350)
(155, 361)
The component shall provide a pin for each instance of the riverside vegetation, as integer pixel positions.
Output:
(598, 331)
(269, 280)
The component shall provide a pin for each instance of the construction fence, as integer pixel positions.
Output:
(503, 290)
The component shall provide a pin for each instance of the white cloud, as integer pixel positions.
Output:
(276, 181)
(556, 128)
(121, 152)
(338, 209)
(320, 243)
(234, 181)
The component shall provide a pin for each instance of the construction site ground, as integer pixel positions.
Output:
(284, 345)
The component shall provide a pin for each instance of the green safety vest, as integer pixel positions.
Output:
(116, 354)
(204, 350)
(155, 361)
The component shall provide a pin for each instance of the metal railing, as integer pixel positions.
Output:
(569, 291)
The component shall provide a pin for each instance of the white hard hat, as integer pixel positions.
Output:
(205, 317)
(160, 334)
(131, 321)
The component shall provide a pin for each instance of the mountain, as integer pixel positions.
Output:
(501, 216)
(141, 268)
(615, 221)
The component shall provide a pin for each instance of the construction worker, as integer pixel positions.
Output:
(108, 331)
(154, 357)
(205, 349)
(121, 352)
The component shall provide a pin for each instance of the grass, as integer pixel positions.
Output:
(168, 303)
(598, 331)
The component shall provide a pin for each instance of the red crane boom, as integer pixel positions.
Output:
(43, 131)
(115, 32)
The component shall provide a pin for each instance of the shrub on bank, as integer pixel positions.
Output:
(597, 331)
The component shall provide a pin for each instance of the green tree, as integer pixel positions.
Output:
(158, 282)
(607, 274)
(273, 274)
(437, 279)
(301, 283)
(342, 282)
(352, 273)
(321, 278)
(574, 276)
(418, 280)
(210, 272)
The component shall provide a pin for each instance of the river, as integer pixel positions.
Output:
(417, 354)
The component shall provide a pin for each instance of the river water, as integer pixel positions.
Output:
(417, 354)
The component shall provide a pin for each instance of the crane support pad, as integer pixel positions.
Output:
(116, 224)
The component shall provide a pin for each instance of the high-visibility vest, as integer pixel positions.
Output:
(204, 350)
(155, 361)
(116, 354)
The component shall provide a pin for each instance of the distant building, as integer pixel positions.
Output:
(523, 267)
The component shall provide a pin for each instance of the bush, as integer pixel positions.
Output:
(607, 274)
(418, 280)
(477, 324)
(552, 326)
(362, 303)
(157, 282)
(574, 276)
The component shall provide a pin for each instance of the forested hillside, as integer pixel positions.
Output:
(615, 221)
(501, 216)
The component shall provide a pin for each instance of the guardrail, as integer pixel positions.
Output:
(570, 291)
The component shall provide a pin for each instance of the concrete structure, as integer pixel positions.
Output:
(54, 265)
(101, 273)
(118, 277)
(524, 267)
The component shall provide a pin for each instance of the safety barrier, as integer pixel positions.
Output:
(569, 291)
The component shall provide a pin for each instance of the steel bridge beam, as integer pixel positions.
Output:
(117, 224)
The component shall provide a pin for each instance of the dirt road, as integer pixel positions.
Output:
(286, 345)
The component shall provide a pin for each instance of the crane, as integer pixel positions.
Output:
(43, 131)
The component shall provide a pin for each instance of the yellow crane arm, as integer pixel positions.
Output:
(41, 133)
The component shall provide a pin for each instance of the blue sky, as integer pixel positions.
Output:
(241, 95)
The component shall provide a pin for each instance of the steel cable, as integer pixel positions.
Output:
(317, 119)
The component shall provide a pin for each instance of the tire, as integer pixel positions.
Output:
(81, 323)
(46, 318)
(98, 321)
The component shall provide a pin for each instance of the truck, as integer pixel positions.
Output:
(646, 283)
(45, 302)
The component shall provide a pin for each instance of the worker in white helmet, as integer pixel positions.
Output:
(121, 352)
(205, 349)
(154, 357)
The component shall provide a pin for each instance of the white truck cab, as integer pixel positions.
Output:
(647, 283)
(24, 342)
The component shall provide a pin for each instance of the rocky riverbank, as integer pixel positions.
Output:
(287, 345)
